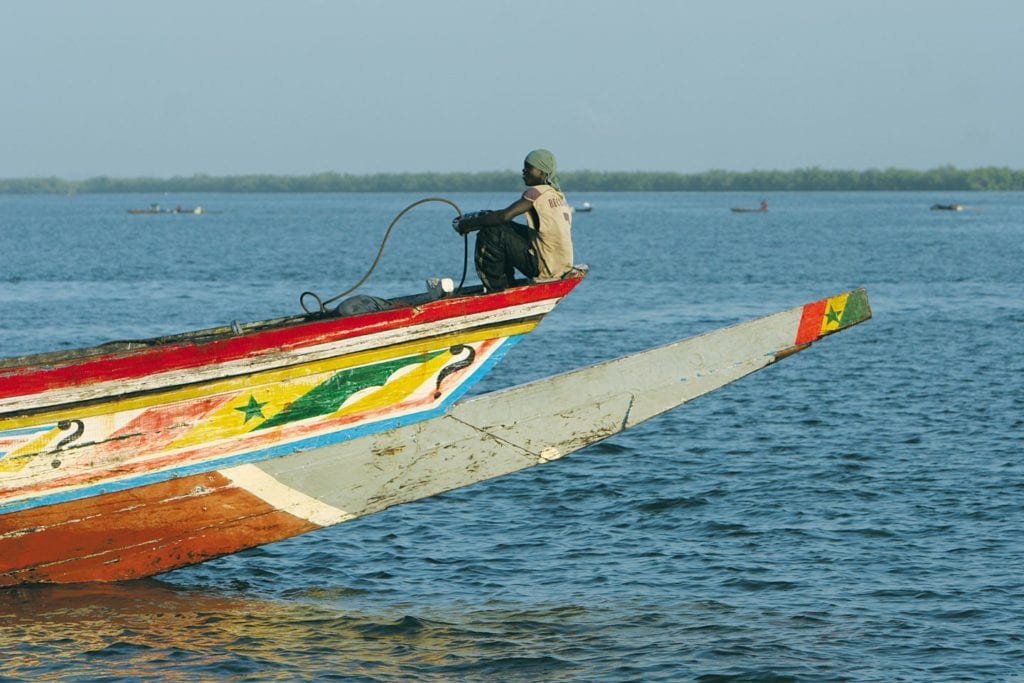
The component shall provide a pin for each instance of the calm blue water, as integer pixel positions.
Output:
(855, 513)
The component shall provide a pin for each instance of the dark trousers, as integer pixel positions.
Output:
(500, 251)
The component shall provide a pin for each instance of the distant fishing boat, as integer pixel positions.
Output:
(152, 208)
(947, 207)
(585, 207)
(761, 209)
(156, 208)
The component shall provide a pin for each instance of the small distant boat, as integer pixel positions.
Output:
(156, 208)
(761, 209)
(585, 207)
(947, 207)
(152, 208)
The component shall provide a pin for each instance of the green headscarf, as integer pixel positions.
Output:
(545, 161)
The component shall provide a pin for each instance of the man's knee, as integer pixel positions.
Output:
(490, 236)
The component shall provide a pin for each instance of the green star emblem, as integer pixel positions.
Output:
(833, 315)
(253, 409)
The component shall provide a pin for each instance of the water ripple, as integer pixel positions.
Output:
(852, 513)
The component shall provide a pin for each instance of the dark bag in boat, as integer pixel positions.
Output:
(363, 303)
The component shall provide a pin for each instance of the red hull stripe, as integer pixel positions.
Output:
(138, 533)
(810, 322)
(187, 355)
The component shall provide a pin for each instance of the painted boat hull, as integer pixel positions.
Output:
(147, 415)
(156, 526)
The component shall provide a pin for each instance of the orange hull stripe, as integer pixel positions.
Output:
(138, 533)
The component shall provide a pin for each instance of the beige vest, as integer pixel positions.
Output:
(552, 219)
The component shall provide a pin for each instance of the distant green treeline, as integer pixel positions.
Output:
(945, 178)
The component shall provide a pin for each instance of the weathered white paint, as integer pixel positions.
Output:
(501, 432)
(267, 488)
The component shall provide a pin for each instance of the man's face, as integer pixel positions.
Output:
(533, 176)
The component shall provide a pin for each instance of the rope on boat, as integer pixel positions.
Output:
(465, 257)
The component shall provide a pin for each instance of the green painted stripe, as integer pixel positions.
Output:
(328, 396)
(857, 308)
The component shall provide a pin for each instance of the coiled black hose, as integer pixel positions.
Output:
(465, 258)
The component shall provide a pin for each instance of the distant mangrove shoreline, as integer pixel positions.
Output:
(945, 178)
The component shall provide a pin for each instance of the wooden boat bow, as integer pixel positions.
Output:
(151, 497)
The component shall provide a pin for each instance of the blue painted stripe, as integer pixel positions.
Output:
(28, 430)
(23, 431)
(278, 451)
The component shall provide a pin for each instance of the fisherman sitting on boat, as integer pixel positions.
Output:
(540, 250)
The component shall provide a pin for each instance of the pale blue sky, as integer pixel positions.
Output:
(139, 88)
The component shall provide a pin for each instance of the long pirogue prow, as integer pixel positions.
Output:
(123, 465)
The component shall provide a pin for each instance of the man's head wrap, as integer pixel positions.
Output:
(545, 161)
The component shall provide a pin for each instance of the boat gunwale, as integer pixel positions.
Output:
(85, 403)
(37, 373)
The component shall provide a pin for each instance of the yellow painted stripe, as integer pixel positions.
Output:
(227, 421)
(398, 389)
(290, 373)
(12, 463)
(834, 313)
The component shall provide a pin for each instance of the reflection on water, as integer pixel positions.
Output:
(139, 630)
(147, 629)
(134, 629)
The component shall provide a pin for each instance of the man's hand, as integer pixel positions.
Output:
(459, 223)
